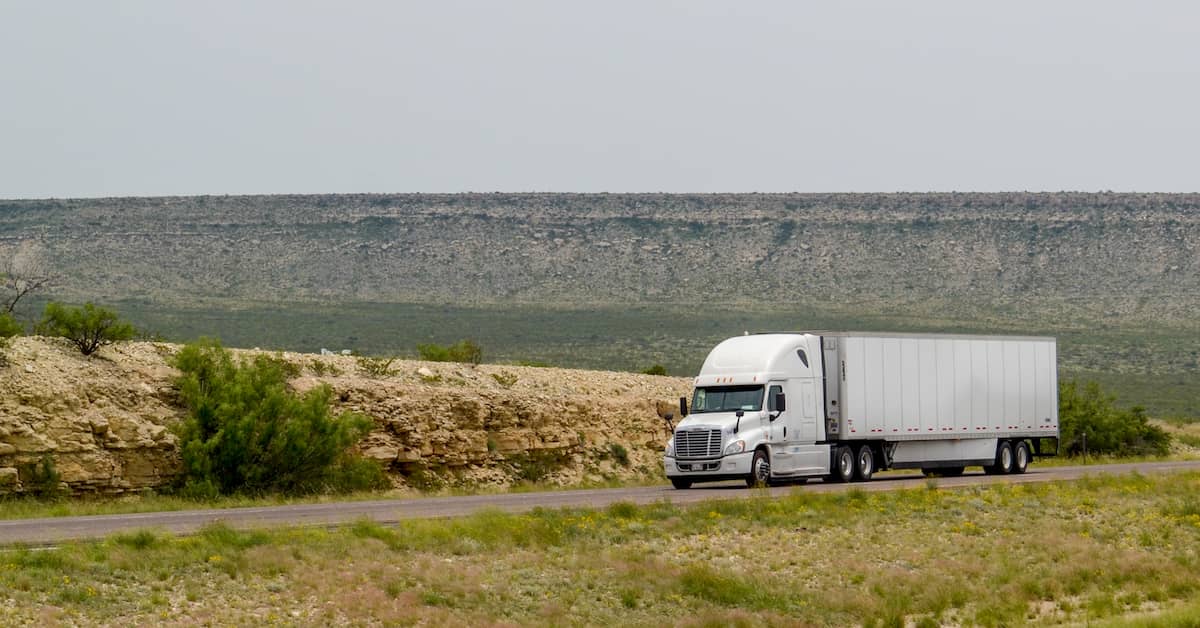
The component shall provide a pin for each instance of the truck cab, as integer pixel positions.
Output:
(756, 413)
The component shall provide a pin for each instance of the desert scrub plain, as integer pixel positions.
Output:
(1110, 549)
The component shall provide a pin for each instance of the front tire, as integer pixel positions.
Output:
(1020, 457)
(843, 464)
(760, 470)
(681, 483)
(864, 466)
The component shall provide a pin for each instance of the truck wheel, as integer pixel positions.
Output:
(1020, 457)
(865, 466)
(681, 483)
(1004, 460)
(760, 470)
(843, 464)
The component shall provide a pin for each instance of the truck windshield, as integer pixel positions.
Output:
(727, 399)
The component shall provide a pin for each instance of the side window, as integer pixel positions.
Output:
(775, 390)
(803, 357)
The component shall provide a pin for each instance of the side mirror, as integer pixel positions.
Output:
(683, 406)
(780, 402)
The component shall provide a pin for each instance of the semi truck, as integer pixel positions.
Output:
(842, 406)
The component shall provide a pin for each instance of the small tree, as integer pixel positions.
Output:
(246, 431)
(1110, 430)
(88, 327)
(23, 273)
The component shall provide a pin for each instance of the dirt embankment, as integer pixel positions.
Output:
(106, 421)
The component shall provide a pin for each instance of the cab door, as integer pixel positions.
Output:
(778, 434)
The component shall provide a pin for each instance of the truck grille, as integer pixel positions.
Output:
(698, 444)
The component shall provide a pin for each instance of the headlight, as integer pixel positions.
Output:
(736, 447)
(671, 448)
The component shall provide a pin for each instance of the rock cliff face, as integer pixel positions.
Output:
(1121, 253)
(106, 421)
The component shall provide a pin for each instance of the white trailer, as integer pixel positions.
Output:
(843, 405)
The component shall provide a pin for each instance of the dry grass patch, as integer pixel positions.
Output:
(1044, 554)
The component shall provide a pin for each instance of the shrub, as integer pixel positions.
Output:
(657, 369)
(1109, 430)
(505, 379)
(9, 327)
(619, 453)
(88, 327)
(375, 367)
(246, 432)
(462, 351)
(321, 368)
(42, 478)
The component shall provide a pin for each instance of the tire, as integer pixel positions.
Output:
(681, 483)
(843, 464)
(1004, 460)
(1020, 457)
(864, 463)
(760, 470)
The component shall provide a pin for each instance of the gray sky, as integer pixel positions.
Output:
(148, 98)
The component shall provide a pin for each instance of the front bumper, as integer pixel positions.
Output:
(713, 468)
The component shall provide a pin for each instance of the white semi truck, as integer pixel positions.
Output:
(843, 405)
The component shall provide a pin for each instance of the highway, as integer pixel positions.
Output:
(48, 531)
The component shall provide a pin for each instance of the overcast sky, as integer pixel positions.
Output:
(150, 98)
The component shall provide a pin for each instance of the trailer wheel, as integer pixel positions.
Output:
(1020, 457)
(843, 464)
(1004, 460)
(760, 470)
(681, 483)
(865, 466)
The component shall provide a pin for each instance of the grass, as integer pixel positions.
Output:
(1098, 550)
(1158, 367)
(29, 507)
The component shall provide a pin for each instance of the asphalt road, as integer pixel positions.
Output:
(58, 529)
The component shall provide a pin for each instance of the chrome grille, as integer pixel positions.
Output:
(698, 443)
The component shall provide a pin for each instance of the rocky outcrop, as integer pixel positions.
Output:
(105, 421)
(1117, 254)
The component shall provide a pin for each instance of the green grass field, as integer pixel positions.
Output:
(1111, 549)
(1158, 369)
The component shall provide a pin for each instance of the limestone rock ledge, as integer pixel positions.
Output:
(106, 420)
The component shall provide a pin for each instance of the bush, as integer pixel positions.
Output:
(375, 367)
(619, 453)
(9, 327)
(657, 369)
(1109, 430)
(42, 479)
(246, 432)
(88, 327)
(320, 368)
(462, 351)
(505, 379)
